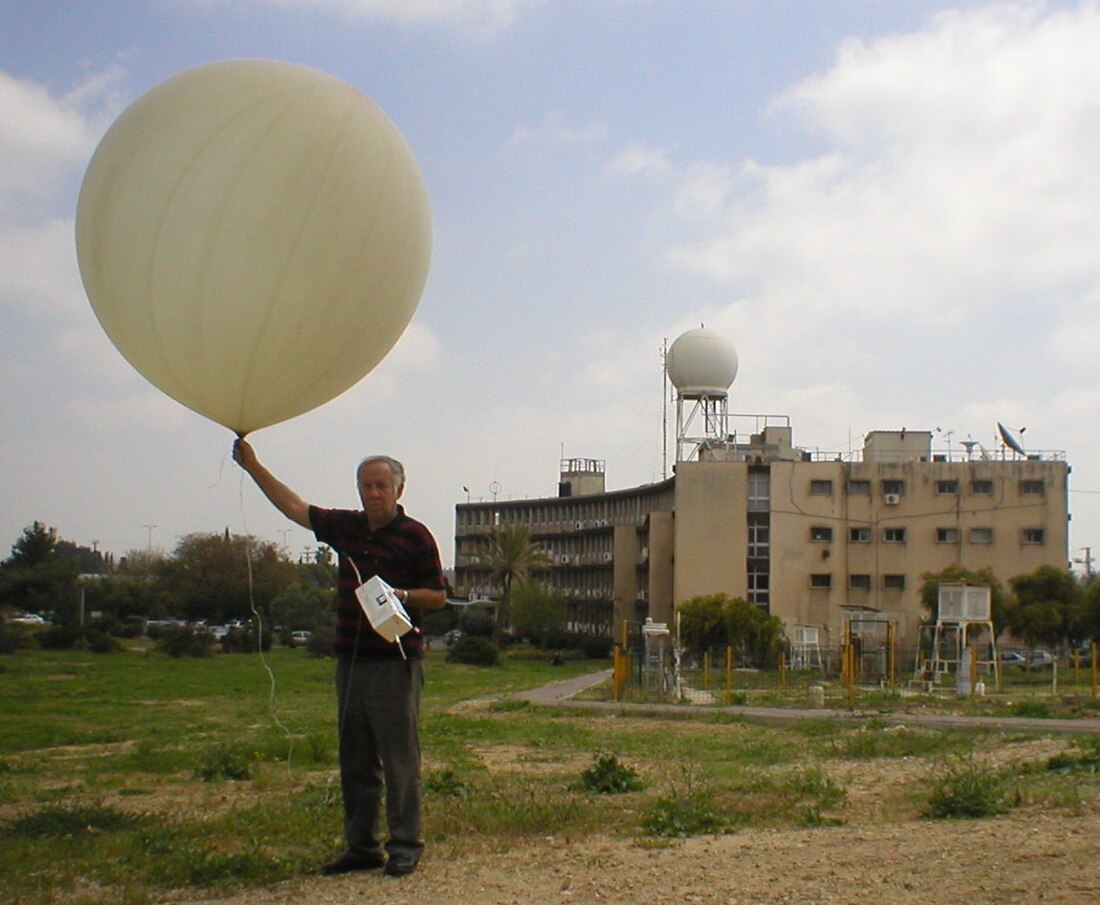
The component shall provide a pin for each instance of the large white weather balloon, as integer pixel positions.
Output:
(254, 237)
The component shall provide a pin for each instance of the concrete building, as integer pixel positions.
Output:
(812, 536)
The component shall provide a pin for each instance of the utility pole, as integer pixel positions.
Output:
(1087, 562)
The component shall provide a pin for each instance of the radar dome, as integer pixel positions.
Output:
(701, 363)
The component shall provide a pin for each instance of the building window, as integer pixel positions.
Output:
(947, 535)
(893, 535)
(947, 488)
(859, 535)
(981, 488)
(821, 581)
(859, 488)
(893, 488)
(758, 583)
(859, 582)
(981, 535)
(1031, 488)
(1034, 536)
(758, 539)
(821, 533)
(759, 491)
(893, 582)
(821, 488)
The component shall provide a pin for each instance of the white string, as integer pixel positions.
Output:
(260, 637)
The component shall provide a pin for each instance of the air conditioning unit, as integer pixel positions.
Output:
(607, 557)
(892, 499)
(565, 559)
(578, 526)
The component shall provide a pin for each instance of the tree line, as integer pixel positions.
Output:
(214, 578)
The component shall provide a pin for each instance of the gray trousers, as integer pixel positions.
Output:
(379, 721)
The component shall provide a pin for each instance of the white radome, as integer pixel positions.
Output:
(701, 363)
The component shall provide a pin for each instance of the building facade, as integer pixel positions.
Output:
(811, 537)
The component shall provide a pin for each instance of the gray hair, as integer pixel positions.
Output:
(396, 468)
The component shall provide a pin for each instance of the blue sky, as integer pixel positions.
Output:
(892, 209)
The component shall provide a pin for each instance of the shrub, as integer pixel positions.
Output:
(185, 641)
(477, 624)
(60, 637)
(320, 641)
(608, 776)
(685, 811)
(963, 787)
(474, 650)
(438, 622)
(11, 639)
(244, 641)
(596, 648)
(224, 762)
(66, 637)
(446, 784)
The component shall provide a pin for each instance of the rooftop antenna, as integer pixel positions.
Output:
(664, 410)
(1010, 441)
(968, 445)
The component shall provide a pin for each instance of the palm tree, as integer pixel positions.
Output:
(511, 556)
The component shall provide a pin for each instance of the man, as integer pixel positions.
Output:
(378, 682)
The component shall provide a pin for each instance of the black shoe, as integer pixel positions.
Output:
(351, 861)
(400, 865)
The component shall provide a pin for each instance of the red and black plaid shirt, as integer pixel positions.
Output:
(402, 553)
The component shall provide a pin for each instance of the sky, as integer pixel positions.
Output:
(891, 209)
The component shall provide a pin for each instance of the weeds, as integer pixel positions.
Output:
(687, 810)
(226, 761)
(607, 776)
(446, 784)
(963, 787)
(80, 759)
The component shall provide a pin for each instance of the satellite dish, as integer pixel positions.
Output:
(969, 446)
(1010, 441)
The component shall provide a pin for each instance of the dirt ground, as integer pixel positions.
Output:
(882, 855)
(1016, 858)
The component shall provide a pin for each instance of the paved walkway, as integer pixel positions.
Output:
(561, 694)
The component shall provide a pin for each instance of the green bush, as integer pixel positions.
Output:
(321, 640)
(478, 624)
(12, 639)
(185, 641)
(244, 640)
(607, 776)
(438, 622)
(67, 637)
(596, 648)
(474, 650)
(962, 787)
(224, 762)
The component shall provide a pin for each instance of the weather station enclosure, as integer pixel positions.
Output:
(964, 620)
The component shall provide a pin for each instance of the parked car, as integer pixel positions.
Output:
(300, 637)
(1040, 659)
(1013, 659)
(29, 619)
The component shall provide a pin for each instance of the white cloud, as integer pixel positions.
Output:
(640, 159)
(42, 139)
(960, 181)
(556, 131)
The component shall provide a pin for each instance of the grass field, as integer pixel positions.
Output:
(128, 777)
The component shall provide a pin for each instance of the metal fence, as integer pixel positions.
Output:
(661, 672)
